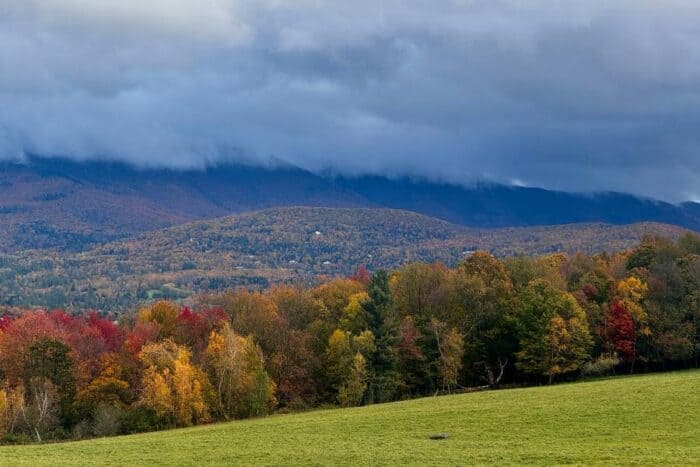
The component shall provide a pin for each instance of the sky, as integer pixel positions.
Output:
(574, 95)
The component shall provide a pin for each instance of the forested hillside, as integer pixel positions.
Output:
(418, 330)
(273, 246)
(72, 206)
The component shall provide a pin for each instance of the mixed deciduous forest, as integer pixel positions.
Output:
(421, 329)
(273, 246)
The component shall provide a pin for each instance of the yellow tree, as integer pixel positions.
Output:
(157, 393)
(11, 406)
(4, 413)
(353, 318)
(237, 368)
(339, 356)
(164, 313)
(190, 406)
(172, 386)
(630, 292)
(353, 388)
(346, 359)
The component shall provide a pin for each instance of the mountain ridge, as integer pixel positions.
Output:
(68, 205)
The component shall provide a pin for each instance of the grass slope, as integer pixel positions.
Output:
(652, 419)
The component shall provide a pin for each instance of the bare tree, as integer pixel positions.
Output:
(39, 413)
(493, 380)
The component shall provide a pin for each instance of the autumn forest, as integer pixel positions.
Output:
(422, 329)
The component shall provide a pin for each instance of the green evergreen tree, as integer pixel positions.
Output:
(384, 379)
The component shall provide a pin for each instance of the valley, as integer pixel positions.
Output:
(280, 245)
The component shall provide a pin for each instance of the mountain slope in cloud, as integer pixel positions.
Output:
(55, 203)
(575, 96)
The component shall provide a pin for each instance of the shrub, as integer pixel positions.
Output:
(107, 420)
(138, 419)
(80, 430)
(601, 366)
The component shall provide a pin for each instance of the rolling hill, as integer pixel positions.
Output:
(71, 206)
(276, 245)
(640, 420)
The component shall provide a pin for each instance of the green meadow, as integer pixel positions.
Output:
(650, 419)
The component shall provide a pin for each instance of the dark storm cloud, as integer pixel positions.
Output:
(588, 95)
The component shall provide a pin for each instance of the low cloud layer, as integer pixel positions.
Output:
(588, 95)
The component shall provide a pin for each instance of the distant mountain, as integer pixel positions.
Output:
(57, 203)
(276, 245)
(490, 205)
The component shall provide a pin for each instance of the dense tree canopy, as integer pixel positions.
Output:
(418, 330)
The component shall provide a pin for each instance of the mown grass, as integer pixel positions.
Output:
(649, 420)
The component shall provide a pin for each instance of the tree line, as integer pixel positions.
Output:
(419, 330)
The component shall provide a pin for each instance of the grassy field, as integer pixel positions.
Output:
(652, 419)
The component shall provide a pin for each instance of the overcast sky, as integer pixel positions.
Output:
(575, 95)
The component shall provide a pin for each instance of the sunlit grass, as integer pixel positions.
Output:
(651, 419)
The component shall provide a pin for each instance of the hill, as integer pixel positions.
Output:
(276, 245)
(67, 205)
(626, 420)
